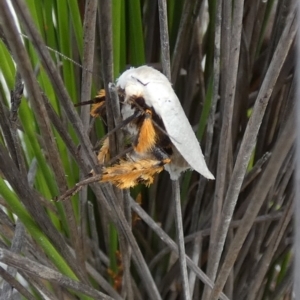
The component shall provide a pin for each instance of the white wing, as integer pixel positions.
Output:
(178, 127)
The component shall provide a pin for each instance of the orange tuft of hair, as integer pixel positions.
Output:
(147, 135)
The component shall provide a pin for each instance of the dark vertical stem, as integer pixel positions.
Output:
(297, 177)
(113, 119)
(89, 26)
(180, 238)
(165, 57)
(181, 37)
(107, 64)
(164, 38)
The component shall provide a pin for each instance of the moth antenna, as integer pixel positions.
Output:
(142, 83)
(63, 56)
(92, 101)
(160, 154)
(98, 104)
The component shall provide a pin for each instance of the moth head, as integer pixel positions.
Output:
(144, 82)
(130, 85)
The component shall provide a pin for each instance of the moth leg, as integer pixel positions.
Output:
(160, 154)
(98, 104)
(147, 135)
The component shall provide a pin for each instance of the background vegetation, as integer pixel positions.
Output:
(232, 67)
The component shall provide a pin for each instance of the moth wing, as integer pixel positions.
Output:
(167, 106)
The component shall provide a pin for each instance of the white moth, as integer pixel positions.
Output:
(157, 92)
